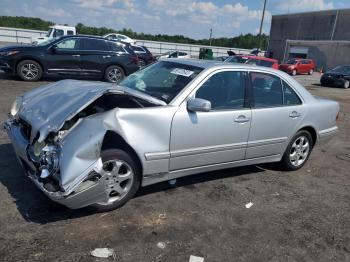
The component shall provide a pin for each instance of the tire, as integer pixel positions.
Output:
(114, 74)
(311, 71)
(114, 159)
(29, 70)
(346, 84)
(294, 72)
(295, 157)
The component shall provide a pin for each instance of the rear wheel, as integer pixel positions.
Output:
(346, 84)
(298, 151)
(121, 177)
(29, 70)
(114, 74)
(311, 71)
(142, 63)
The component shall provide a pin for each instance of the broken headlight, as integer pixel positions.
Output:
(16, 106)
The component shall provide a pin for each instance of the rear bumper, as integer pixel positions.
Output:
(327, 134)
(86, 193)
(327, 81)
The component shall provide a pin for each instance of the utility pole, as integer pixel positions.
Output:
(211, 33)
(261, 25)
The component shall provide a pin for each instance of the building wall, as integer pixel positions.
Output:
(323, 25)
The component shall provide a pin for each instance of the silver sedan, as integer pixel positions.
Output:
(90, 143)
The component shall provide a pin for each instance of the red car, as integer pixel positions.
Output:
(298, 66)
(253, 60)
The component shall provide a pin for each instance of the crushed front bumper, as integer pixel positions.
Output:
(83, 194)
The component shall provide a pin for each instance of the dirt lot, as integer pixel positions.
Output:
(296, 216)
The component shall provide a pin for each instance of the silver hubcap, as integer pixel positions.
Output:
(115, 75)
(294, 72)
(346, 84)
(142, 63)
(29, 71)
(299, 151)
(118, 177)
(311, 72)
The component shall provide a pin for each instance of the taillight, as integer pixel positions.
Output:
(135, 59)
(338, 117)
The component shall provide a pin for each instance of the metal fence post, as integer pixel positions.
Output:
(16, 37)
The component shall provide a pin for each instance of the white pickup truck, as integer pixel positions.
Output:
(55, 31)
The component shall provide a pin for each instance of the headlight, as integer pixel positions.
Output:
(38, 147)
(16, 106)
(8, 53)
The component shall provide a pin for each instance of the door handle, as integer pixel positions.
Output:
(242, 119)
(294, 114)
(106, 56)
(76, 55)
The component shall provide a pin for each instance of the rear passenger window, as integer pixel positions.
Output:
(290, 97)
(115, 47)
(267, 90)
(94, 44)
(225, 90)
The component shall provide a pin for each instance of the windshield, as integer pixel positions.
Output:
(341, 69)
(163, 80)
(48, 41)
(291, 62)
(49, 32)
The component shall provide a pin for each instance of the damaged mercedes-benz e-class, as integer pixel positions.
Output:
(89, 143)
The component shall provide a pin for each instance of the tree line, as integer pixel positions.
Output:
(247, 41)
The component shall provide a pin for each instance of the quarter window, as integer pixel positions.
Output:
(290, 97)
(267, 90)
(68, 44)
(225, 90)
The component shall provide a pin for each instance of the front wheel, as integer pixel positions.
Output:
(298, 151)
(346, 84)
(121, 177)
(114, 74)
(29, 70)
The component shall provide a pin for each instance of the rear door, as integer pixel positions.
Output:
(65, 58)
(276, 114)
(95, 56)
(219, 136)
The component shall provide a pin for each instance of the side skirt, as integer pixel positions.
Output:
(156, 178)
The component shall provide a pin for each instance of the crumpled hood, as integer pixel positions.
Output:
(48, 107)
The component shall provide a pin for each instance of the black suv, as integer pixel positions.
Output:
(71, 55)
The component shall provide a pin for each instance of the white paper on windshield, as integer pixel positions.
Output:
(182, 72)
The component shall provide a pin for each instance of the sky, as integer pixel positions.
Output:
(191, 18)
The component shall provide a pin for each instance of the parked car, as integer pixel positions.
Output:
(120, 37)
(70, 55)
(338, 76)
(173, 118)
(253, 60)
(298, 66)
(144, 55)
(55, 31)
(174, 54)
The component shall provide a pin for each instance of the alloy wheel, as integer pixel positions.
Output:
(115, 75)
(118, 178)
(29, 71)
(299, 151)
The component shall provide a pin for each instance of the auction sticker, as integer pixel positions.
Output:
(182, 72)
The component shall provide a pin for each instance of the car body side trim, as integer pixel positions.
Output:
(328, 131)
(267, 141)
(157, 156)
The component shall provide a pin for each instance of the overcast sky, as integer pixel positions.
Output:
(186, 17)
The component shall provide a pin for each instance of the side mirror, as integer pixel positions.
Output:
(198, 105)
(53, 48)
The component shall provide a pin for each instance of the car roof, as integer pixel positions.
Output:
(83, 36)
(259, 58)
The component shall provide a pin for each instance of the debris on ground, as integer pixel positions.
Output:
(275, 194)
(249, 205)
(172, 182)
(161, 245)
(103, 252)
(196, 259)
(162, 216)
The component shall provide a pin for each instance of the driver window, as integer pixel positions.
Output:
(68, 44)
(225, 90)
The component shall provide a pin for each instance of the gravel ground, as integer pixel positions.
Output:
(296, 216)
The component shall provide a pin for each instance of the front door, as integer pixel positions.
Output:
(276, 114)
(219, 136)
(65, 58)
